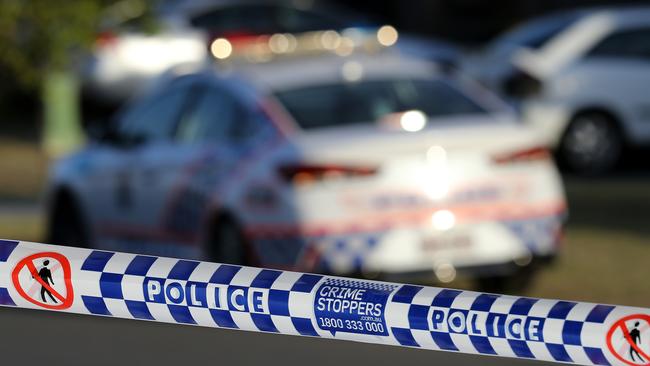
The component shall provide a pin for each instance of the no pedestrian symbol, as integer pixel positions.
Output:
(629, 339)
(44, 279)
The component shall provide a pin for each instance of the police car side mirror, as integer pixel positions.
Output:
(104, 132)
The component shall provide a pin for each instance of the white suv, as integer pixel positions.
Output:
(584, 85)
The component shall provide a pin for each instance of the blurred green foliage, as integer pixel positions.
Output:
(41, 36)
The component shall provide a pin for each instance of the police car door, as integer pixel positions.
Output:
(183, 176)
(202, 134)
(148, 129)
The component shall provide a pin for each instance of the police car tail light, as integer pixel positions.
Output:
(305, 174)
(532, 154)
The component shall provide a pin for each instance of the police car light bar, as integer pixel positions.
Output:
(263, 48)
(85, 281)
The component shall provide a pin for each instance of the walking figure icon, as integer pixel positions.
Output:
(636, 338)
(46, 275)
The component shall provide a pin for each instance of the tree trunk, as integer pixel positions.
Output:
(62, 132)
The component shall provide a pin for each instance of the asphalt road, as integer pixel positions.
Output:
(32, 337)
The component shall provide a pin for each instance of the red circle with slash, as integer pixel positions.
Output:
(28, 263)
(628, 339)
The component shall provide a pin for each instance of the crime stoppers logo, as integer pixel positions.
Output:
(44, 279)
(629, 339)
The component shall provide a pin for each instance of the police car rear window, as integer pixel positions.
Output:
(369, 101)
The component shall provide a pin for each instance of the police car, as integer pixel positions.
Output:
(360, 162)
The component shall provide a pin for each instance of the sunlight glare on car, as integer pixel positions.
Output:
(436, 186)
(443, 220)
(413, 121)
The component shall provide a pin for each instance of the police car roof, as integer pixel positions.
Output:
(298, 72)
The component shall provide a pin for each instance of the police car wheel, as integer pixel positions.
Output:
(66, 225)
(226, 243)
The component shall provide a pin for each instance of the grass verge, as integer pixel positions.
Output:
(599, 265)
(22, 226)
(24, 169)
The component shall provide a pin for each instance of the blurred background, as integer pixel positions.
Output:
(577, 72)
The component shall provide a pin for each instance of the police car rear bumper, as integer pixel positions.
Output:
(505, 269)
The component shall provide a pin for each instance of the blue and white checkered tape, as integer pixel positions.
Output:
(229, 296)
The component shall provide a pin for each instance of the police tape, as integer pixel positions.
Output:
(182, 291)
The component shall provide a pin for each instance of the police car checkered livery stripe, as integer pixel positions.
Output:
(229, 296)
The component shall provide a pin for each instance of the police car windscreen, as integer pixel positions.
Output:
(368, 101)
